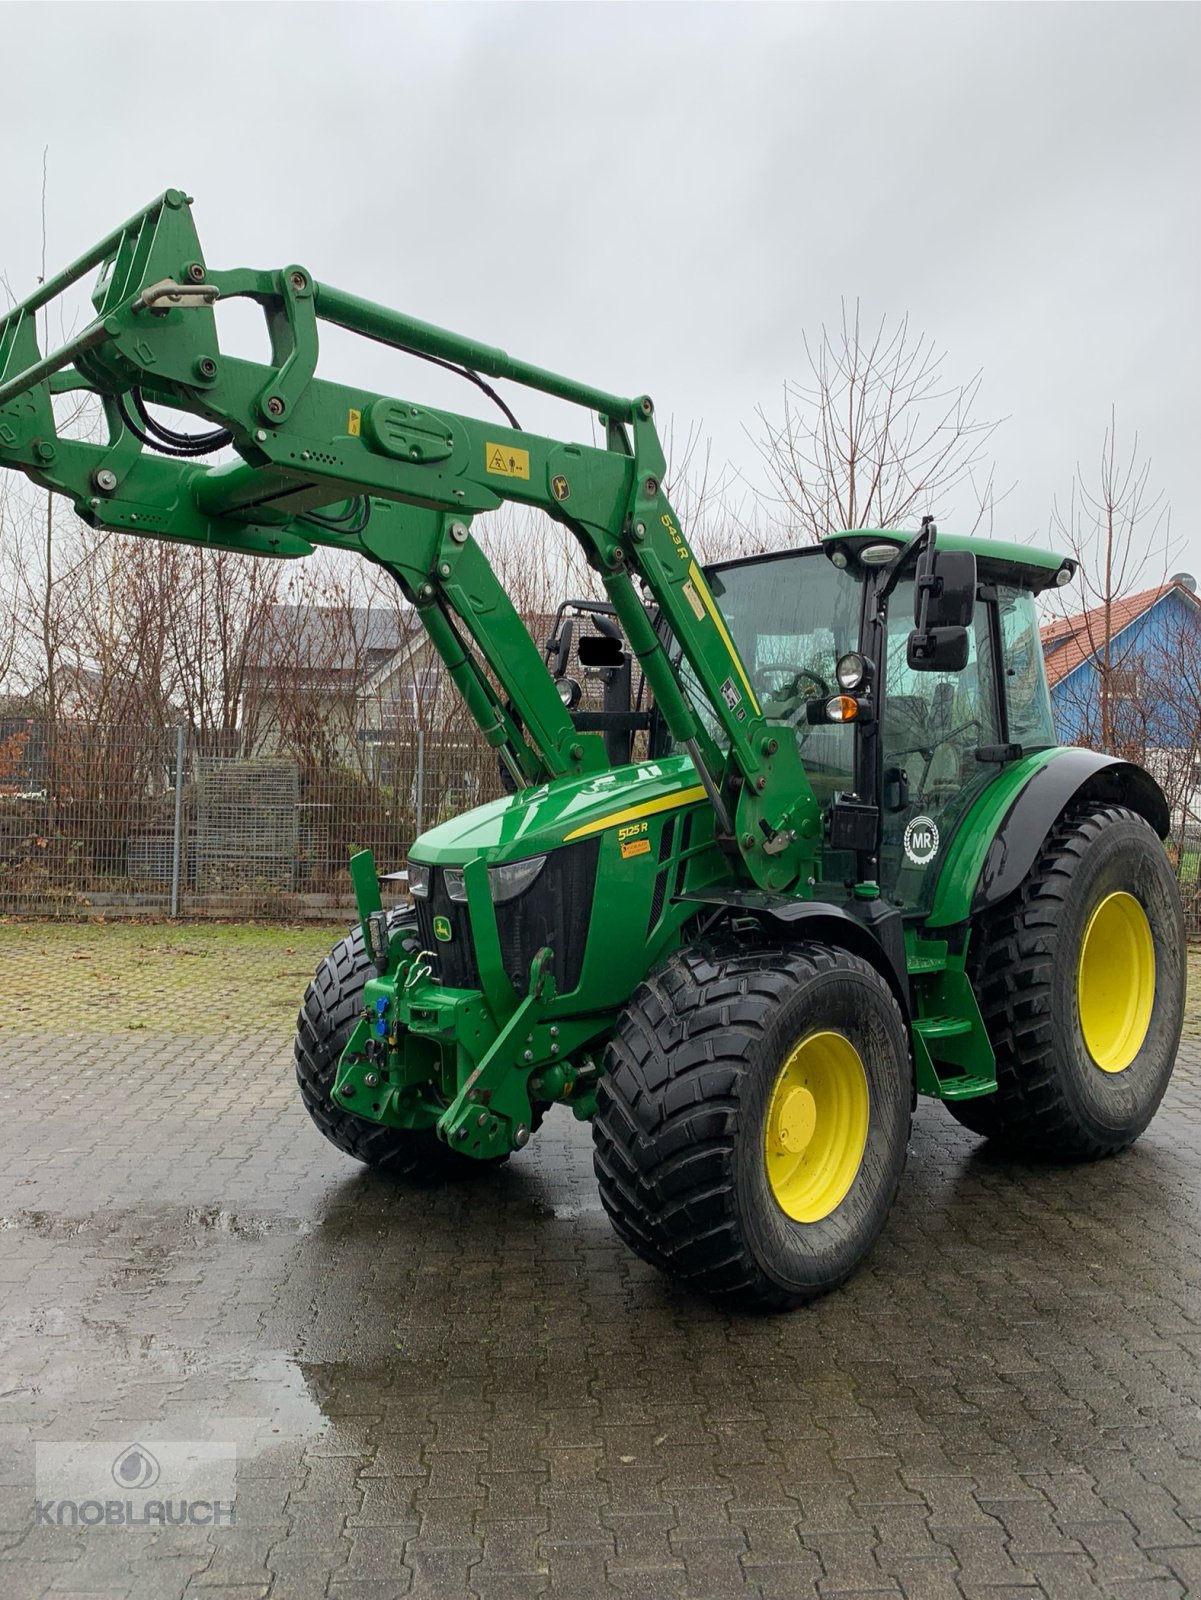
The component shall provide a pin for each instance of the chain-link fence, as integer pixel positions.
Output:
(119, 821)
(104, 820)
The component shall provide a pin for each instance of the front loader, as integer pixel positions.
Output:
(852, 866)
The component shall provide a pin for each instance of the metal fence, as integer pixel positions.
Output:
(104, 820)
(125, 821)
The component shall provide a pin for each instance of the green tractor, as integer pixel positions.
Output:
(834, 862)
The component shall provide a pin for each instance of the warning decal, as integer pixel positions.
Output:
(635, 847)
(694, 600)
(354, 424)
(505, 461)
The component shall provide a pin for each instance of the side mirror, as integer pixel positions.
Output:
(558, 649)
(951, 587)
(939, 649)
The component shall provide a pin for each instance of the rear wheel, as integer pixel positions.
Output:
(1080, 978)
(752, 1119)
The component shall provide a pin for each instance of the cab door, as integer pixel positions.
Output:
(932, 725)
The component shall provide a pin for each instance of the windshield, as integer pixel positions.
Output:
(791, 617)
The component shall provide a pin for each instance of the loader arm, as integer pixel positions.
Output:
(324, 463)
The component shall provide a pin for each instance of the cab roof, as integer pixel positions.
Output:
(1000, 561)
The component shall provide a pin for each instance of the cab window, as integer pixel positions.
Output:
(1027, 697)
(791, 617)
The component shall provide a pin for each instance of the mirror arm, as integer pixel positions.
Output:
(913, 551)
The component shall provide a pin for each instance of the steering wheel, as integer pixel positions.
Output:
(784, 683)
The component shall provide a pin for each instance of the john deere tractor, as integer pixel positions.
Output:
(832, 861)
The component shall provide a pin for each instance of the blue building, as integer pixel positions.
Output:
(1140, 695)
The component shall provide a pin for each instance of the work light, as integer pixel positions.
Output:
(853, 671)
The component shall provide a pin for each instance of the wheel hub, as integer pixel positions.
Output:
(797, 1120)
(816, 1127)
(1115, 982)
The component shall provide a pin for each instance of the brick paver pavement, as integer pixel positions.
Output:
(476, 1390)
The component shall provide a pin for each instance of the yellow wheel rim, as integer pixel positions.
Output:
(1115, 983)
(816, 1127)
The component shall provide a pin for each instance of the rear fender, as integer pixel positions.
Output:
(1000, 838)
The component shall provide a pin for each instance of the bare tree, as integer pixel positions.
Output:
(1119, 533)
(876, 435)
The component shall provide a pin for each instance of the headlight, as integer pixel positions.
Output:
(452, 877)
(852, 671)
(508, 882)
(419, 880)
(569, 692)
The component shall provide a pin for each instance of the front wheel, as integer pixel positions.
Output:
(753, 1118)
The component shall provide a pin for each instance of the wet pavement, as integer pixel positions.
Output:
(477, 1391)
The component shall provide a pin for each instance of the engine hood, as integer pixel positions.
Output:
(536, 820)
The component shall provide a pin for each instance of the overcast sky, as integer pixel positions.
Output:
(666, 198)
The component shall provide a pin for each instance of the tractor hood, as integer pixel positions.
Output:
(536, 820)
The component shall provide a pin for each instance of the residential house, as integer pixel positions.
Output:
(350, 685)
(1129, 680)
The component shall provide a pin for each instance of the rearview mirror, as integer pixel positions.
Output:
(938, 649)
(951, 588)
(558, 649)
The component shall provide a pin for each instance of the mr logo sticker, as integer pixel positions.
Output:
(921, 841)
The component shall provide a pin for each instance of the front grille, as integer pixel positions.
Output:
(555, 910)
(455, 964)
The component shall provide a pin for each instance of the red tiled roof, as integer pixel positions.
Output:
(1067, 641)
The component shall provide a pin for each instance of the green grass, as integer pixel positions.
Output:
(198, 978)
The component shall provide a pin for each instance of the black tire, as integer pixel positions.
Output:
(1052, 1100)
(682, 1106)
(331, 1007)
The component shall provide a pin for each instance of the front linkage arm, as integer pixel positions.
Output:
(418, 477)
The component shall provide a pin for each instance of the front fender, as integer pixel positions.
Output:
(876, 934)
(1000, 838)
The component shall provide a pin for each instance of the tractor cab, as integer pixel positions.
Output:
(891, 738)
